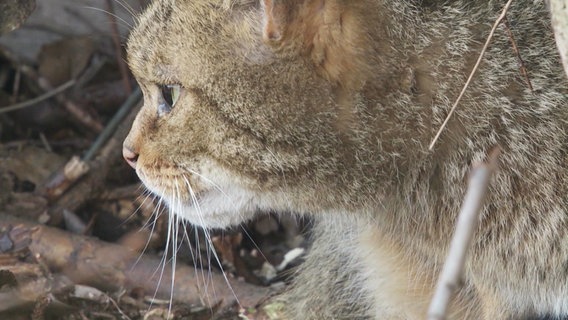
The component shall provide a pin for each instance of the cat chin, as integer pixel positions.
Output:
(216, 209)
(223, 205)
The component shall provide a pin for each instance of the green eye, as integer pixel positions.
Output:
(171, 93)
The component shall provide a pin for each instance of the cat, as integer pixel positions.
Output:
(326, 108)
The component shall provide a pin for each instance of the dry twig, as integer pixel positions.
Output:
(472, 73)
(111, 127)
(450, 277)
(74, 110)
(112, 138)
(522, 68)
(39, 99)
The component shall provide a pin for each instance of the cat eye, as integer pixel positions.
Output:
(169, 95)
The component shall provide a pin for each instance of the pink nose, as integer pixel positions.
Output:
(130, 156)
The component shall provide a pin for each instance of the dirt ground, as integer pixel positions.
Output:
(79, 236)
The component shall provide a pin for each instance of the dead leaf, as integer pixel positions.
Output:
(64, 60)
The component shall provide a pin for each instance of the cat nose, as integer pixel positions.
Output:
(130, 156)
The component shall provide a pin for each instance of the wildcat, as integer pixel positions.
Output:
(327, 108)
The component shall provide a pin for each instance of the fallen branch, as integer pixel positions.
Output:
(31, 289)
(450, 277)
(112, 267)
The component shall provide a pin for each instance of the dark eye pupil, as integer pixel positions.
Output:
(167, 94)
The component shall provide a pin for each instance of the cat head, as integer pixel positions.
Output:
(244, 102)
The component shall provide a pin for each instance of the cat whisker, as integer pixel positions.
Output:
(174, 220)
(146, 194)
(193, 254)
(209, 241)
(216, 256)
(207, 180)
(195, 202)
(163, 262)
(166, 259)
(200, 257)
(118, 18)
(152, 221)
(127, 7)
(157, 212)
(252, 241)
(175, 250)
(171, 238)
(217, 187)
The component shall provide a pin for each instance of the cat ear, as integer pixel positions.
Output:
(275, 18)
(285, 20)
(331, 32)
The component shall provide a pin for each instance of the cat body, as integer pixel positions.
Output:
(327, 108)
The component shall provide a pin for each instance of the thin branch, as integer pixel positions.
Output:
(523, 70)
(39, 99)
(450, 278)
(110, 128)
(76, 167)
(475, 67)
(74, 110)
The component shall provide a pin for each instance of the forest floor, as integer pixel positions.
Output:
(79, 236)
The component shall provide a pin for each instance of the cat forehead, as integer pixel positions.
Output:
(189, 16)
(200, 5)
(169, 29)
(160, 31)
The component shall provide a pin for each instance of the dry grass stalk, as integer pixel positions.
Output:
(472, 73)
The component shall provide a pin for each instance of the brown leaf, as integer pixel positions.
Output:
(64, 60)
